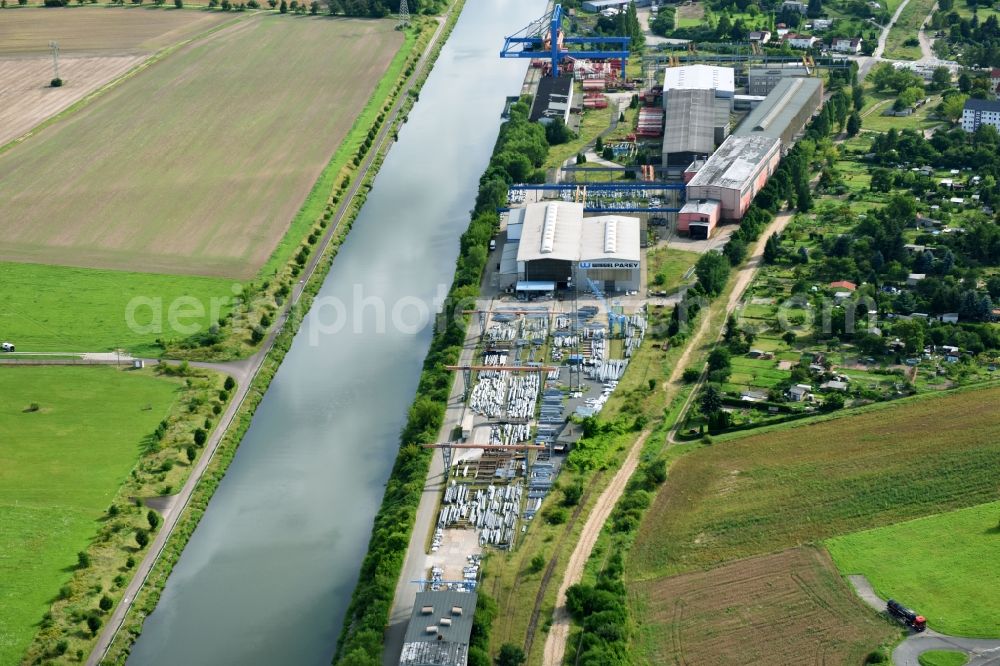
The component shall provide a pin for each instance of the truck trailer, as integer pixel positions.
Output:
(905, 615)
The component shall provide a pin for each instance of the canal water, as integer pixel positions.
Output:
(268, 574)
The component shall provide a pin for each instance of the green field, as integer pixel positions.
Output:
(794, 485)
(671, 264)
(60, 467)
(942, 658)
(55, 308)
(941, 565)
(197, 164)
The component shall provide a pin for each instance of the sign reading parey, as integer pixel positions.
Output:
(609, 264)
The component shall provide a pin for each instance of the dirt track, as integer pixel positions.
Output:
(555, 643)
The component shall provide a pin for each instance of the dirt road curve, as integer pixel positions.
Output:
(555, 643)
(981, 651)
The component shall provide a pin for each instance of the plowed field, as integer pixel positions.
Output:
(789, 608)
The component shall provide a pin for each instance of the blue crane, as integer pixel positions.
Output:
(545, 37)
(613, 317)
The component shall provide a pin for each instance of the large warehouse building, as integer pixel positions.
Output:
(439, 630)
(697, 101)
(696, 122)
(559, 247)
(785, 111)
(725, 184)
(731, 177)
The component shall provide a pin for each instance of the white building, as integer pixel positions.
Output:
(701, 77)
(797, 41)
(559, 247)
(980, 112)
(846, 45)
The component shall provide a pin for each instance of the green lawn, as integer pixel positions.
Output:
(60, 467)
(942, 658)
(942, 566)
(671, 264)
(56, 308)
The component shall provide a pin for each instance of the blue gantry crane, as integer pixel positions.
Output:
(613, 317)
(544, 38)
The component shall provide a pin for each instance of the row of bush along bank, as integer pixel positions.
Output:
(521, 146)
(148, 597)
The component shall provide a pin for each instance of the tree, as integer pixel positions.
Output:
(719, 359)
(94, 624)
(772, 249)
(735, 250)
(191, 453)
(200, 437)
(608, 153)
(941, 78)
(179, 4)
(712, 270)
(789, 337)
(283, 7)
(106, 603)
(952, 106)
(853, 124)
(141, 538)
(556, 132)
(711, 400)
(537, 563)
(153, 519)
(815, 9)
(82, 560)
(599, 145)
(510, 655)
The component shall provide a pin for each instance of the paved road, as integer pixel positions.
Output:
(248, 368)
(981, 651)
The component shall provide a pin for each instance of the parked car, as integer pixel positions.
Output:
(7, 347)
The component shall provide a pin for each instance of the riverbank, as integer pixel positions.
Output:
(276, 345)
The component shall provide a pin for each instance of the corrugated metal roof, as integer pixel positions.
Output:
(691, 119)
(450, 612)
(779, 109)
(733, 164)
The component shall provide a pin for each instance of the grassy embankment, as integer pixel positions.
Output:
(91, 444)
(906, 28)
(935, 564)
(669, 263)
(148, 597)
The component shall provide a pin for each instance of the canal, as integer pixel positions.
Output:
(268, 574)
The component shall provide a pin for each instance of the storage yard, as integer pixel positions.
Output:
(552, 360)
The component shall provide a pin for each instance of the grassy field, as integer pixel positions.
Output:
(906, 27)
(101, 30)
(59, 469)
(786, 608)
(942, 658)
(935, 564)
(146, 182)
(672, 264)
(55, 308)
(795, 485)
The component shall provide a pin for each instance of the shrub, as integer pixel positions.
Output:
(106, 603)
(200, 437)
(229, 384)
(179, 4)
(555, 515)
(537, 563)
(691, 375)
(141, 538)
(82, 560)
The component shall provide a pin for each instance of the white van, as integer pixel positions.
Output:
(7, 347)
